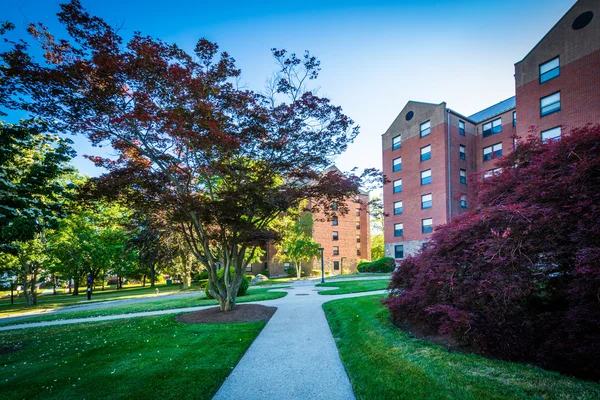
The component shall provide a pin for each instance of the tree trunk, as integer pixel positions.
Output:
(187, 273)
(144, 280)
(298, 270)
(152, 275)
(76, 286)
(53, 285)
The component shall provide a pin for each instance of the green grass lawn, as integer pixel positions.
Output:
(384, 362)
(49, 301)
(360, 275)
(253, 294)
(137, 358)
(354, 286)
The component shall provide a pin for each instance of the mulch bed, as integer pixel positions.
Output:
(241, 313)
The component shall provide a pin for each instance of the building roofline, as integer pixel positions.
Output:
(495, 113)
(547, 33)
(461, 115)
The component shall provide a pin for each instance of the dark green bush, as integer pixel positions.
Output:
(384, 264)
(201, 275)
(243, 286)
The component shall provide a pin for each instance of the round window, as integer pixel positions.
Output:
(409, 115)
(582, 20)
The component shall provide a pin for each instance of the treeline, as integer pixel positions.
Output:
(54, 230)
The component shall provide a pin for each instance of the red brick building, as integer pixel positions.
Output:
(430, 149)
(345, 238)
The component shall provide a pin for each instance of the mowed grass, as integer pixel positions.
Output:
(49, 301)
(137, 358)
(355, 286)
(359, 275)
(253, 294)
(384, 362)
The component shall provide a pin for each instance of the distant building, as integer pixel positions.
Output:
(346, 240)
(430, 149)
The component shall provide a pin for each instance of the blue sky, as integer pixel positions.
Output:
(375, 56)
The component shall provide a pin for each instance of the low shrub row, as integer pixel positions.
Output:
(384, 264)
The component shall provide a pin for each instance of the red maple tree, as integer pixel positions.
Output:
(518, 276)
(221, 160)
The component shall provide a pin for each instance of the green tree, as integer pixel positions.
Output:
(33, 192)
(377, 246)
(297, 244)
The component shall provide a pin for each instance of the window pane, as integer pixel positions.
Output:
(549, 65)
(399, 251)
(550, 104)
(397, 208)
(550, 99)
(398, 186)
(398, 229)
(425, 128)
(551, 134)
(396, 142)
(426, 149)
(397, 164)
(427, 225)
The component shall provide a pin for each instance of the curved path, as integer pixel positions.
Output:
(294, 356)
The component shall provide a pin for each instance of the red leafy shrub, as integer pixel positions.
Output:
(518, 276)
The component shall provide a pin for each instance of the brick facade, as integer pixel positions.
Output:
(353, 230)
(579, 87)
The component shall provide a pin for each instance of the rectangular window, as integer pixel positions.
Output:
(336, 265)
(398, 186)
(335, 235)
(463, 201)
(463, 176)
(358, 225)
(491, 172)
(427, 225)
(549, 70)
(425, 128)
(461, 128)
(357, 239)
(491, 128)
(397, 164)
(334, 206)
(425, 177)
(398, 229)
(399, 251)
(358, 212)
(491, 152)
(514, 118)
(551, 134)
(397, 207)
(336, 251)
(334, 220)
(462, 152)
(396, 142)
(426, 201)
(550, 104)
(358, 252)
(425, 153)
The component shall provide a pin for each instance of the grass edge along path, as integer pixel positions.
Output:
(253, 294)
(49, 301)
(149, 357)
(384, 362)
(354, 286)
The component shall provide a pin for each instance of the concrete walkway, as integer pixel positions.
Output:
(295, 356)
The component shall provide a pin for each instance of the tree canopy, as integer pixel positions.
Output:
(221, 160)
(517, 276)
